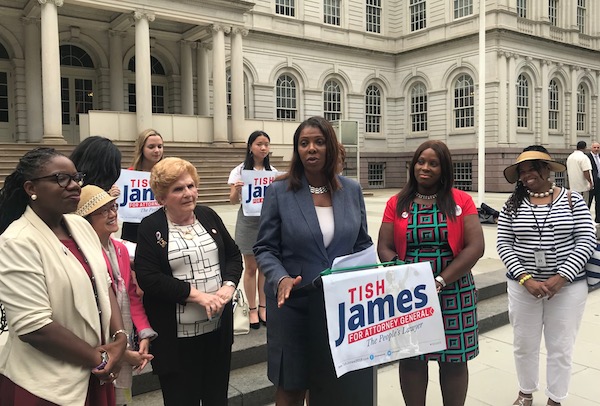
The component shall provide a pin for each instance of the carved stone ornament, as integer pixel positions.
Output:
(57, 3)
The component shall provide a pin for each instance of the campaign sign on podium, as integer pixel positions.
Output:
(382, 314)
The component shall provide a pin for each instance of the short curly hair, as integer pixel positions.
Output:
(166, 171)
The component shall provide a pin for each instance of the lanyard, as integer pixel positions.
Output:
(544, 223)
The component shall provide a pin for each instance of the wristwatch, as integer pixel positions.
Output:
(229, 283)
(441, 281)
(104, 358)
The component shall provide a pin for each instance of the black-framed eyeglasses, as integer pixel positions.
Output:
(103, 211)
(64, 179)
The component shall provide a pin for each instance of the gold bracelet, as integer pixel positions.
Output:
(524, 279)
(121, 331)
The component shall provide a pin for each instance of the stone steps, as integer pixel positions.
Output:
(249, 384)
(212, 162)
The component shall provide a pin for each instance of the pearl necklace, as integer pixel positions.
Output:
(318, 190)
(426, 197)
(542, 194)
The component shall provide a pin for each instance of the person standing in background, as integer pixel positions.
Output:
(148, 151)
(246, 227)
(579, 170)
(594, 156)
(100, 160)
(100, 210)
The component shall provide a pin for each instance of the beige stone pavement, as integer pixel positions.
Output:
(492, 374)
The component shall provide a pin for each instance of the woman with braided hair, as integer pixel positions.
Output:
(54, 285)
(545, 237)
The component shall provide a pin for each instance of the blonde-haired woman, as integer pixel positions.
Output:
(148, 151)
(188, 266)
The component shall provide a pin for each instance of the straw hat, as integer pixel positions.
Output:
(512, 175)
(91, 199)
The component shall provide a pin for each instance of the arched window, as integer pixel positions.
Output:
(287, 104)
(332, 100)
(522, 101)
(553, 106)
(418, 107)
(581, 108)
(373, 109)
(71, 55)
(464, 102)
(158, 86)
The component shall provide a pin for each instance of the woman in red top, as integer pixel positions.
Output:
(430, 221)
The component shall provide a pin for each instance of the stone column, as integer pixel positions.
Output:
(237, 85)
(51, 72)
(143, 80)
(502, 100)
(572, 127)
(544, 103)
(116, 70)
(187, 79)
(203, 79)
(219, 84)
(512, 99)
(33, 82)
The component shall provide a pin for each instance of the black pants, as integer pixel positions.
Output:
(204, 365)
(595, 195)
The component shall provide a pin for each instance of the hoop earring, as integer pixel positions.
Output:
(34, 197)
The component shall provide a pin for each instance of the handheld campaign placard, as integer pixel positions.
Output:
(136, 200)
(382, 314)
(254, 189)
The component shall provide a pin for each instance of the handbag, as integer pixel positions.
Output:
(241, 313)
(592, 269)
(592, 266)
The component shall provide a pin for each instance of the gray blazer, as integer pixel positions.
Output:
(290, 242)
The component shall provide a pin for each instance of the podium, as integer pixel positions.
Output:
(356, 388)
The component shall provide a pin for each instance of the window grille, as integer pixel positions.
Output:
(332, 101)
(418, 107)
(285, 7)
(522, 102)
(373, 109)
(463, 8)
(286, 98)
(463, 175)
(331, 12)
(373, 15)
(376, 174)
(464, 102)
(418, 17)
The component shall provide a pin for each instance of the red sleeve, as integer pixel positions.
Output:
(389, 215)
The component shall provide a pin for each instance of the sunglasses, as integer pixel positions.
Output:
(64, 179)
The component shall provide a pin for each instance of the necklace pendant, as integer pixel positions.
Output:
(188, 235)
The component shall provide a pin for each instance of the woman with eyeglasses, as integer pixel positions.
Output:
(66, 336)
(100, 209)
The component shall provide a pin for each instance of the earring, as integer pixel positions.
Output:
(34, 197)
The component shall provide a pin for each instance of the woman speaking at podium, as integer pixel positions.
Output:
(308, 218)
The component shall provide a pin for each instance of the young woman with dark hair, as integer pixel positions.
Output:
(246, 227)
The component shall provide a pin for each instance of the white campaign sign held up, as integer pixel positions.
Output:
(254, 189)
(382, 314)
(136, 200)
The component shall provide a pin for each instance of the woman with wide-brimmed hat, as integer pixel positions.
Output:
(545, 237)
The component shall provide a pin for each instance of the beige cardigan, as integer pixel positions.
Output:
(42, 282)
